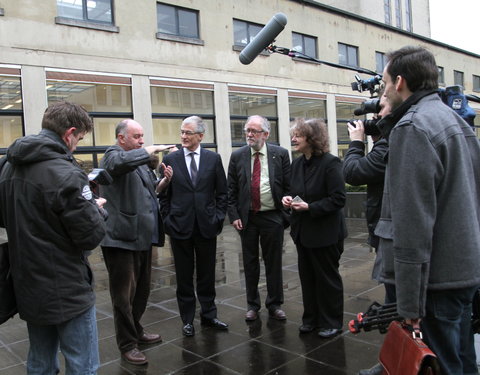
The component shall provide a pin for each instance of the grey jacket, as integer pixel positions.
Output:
(131, 199)
(429, 227)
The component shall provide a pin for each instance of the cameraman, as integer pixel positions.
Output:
(361, 169)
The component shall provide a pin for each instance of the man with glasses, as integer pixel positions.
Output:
(258, 178)
(193, 209)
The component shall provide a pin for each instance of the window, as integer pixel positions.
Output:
(387, 10)
(245, 104)
(347, 55)
(177, 21)
(344, 115)
(108, 100)
(11, 109)
(408, 15)
(476, 83)
(380, 61)
(441, 75)
(86, 10)
(304, 44)
(244, 32)
(398, 13)
(306, 105)
(170, 105)
(458, 78)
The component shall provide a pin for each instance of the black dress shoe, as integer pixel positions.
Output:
(251, 315)
(306, 328)
(188, 330)
(326, 333)
(135, 357)
(149, 338)
(215, 323)
(375, 370)
(277, 314)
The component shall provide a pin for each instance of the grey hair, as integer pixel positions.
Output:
(200, 126)
(264, 121)
(121, 127)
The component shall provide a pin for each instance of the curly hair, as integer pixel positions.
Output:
(315, 132)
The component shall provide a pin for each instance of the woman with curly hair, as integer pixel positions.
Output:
(317, 226)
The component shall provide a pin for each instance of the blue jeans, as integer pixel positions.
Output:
(447, 330)
(77, 339)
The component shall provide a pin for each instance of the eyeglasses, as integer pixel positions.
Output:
(253, 131)
(188, 133)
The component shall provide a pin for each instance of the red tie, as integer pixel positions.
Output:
(255, 185)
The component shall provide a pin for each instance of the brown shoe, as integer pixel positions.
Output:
(135, 357)
(149, 338)
(278, 314)
(251, 315)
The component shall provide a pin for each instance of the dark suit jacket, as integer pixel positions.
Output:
(206, 202)
(130, 223)
(240, 174)
(323, 188)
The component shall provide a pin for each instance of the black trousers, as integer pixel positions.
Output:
(195, 254)
(263, 229)
(322, 286)
(129, 275)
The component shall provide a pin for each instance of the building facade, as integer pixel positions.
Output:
(161, 61)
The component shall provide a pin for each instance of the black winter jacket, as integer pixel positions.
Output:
(51, 219)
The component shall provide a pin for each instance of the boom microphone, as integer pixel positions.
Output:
(264, 38)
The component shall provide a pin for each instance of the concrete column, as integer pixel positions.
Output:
(34, 97)
(283, 111)
(142, 105)
(332, 123)
(222, 122)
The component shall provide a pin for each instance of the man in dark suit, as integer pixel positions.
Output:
(134, 224)
(258, 178)
(193, 209)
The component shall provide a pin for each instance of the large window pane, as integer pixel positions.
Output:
(244, 32)
(175, 100)
(10, 93)
(344, 114)
(167, 131)
(93, 97)
(104, 134)
(177, 21)
(86, 10)
(252, 104)
(244, 105)
(11, 128)
(307, 108)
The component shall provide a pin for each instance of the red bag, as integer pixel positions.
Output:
(404, 353)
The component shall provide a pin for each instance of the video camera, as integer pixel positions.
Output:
(99, 176)
(372, 84)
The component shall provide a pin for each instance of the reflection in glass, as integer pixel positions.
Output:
(252, 104)
(344, 114)
(104, 133)
(10, 93)
(167, 131)
(94, 97)
(176, 100)
(307, 108)
(87, 10)
(10, 129)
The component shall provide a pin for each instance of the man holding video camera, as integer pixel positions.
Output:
(429, 227)
(369, 169)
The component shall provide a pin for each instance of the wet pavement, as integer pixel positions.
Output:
(265, 346)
